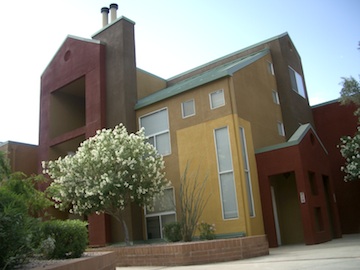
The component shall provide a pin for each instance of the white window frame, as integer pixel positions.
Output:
(226, 172)
(281, 129)
(299, 81)
(270, 67)
(160, 215)
(161, 132)
(247, 173)
(183, 110)
(275, 96)
(211, 101)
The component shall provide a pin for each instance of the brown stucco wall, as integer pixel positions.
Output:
(121, 89)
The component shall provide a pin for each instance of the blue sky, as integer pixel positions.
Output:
(172, 36)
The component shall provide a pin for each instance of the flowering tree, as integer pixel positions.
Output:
(350, 146)
(108, 171)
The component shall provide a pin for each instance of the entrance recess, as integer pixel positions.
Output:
(287, 215)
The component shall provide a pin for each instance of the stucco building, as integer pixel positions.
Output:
(22, 157)
(243, 121)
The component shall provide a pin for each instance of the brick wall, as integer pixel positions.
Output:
(201, 252)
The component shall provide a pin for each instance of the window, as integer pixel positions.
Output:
(281, 129)
(217, 99)
(275, 97)
(297, 83)
(163, 213)
(226, 174)
(271, 68)
(247, 173)
(156, 127)
(188, 108)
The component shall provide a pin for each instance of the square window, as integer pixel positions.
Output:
(217, 99)
(188, 108)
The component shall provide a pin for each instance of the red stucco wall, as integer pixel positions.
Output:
(333, 121)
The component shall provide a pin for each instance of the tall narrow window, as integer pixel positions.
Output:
(156, 126)
(247, 173)
(188, 108)
(226, 174)
(163, 212)
(217, 99)
(271, 68)
(297, 83)
(281, 129)
(275, 97)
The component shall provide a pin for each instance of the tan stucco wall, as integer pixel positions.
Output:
(192, 142)
(253, 86)
(148, 83)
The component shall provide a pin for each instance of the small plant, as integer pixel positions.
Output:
(207, 231)
(172, 231)
(47, 247)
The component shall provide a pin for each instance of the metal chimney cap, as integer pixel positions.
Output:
(105, 9)
(114, 6)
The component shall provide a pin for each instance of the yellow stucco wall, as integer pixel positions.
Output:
(196, 147)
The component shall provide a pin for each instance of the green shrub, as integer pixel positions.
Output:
(70, 238)
(207, 231)
(15, 230)
(172, 231)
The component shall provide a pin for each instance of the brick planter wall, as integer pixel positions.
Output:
(200, 252)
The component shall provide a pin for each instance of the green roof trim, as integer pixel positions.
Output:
(231, 54)
(216, 73)
(295, 139)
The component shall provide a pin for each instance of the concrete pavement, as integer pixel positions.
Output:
(343, 253)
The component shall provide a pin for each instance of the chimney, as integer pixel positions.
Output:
(113, 9)
(104, 12)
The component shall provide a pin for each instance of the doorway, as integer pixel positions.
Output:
(286, 207)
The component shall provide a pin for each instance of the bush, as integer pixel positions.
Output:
(70, 238)
(207, 231)
(16, 230)
(172, 231)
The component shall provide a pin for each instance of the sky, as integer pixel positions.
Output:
(171, 37)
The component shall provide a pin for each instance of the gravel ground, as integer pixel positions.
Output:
(37, 263)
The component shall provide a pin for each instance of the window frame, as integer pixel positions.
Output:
(281, 128)
(220, 173)
(299, 81)
(183, 111)
(275, 96)
(160, 215)
(157, 134)
(247, 172)
(211, 101)
(270, 67)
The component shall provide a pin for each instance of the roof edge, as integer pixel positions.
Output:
(229, 55)
(295, 139)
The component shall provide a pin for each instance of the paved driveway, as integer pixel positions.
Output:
(343, 253)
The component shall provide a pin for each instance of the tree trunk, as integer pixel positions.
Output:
(126, 232)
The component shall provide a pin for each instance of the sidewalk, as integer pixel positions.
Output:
(343, 253)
